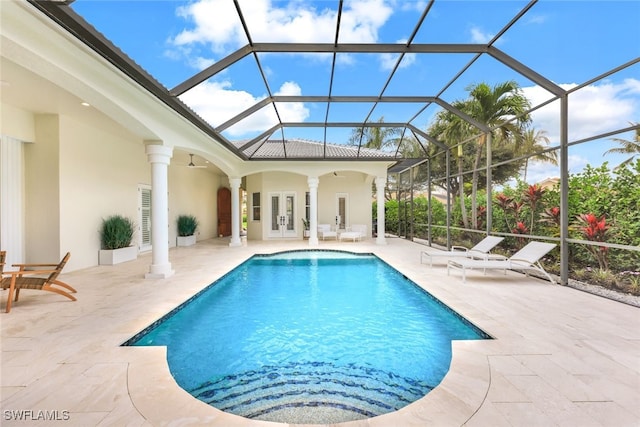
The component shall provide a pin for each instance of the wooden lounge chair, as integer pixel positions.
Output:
(526, 259)
(325, 231)
(44, 280)
(480, 250)
(3, 257)
(355, 232)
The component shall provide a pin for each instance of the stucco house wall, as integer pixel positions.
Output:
(193, 192)
(78, 173)
(356, 185)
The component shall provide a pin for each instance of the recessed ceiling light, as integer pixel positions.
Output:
(85, 104)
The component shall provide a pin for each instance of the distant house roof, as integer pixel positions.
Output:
(549, 183)
(302, 148)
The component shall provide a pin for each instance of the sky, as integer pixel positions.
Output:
(568, 42)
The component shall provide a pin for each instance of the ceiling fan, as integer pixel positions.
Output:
(193, 165)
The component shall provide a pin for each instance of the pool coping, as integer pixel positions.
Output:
(166, 399)
(174, 400)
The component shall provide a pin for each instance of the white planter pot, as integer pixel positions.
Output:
(116, 256)
(186, 240)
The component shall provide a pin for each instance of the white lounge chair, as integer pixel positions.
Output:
(325, 231)
(355, 232)
(480, 250)
(527, 258)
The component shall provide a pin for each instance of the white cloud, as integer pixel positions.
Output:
(417, 5)
(361, 20)
(215, 23)
(479, 36)
(388, 60)
(537, 19)
(217, 102)
(214, 30)
(593, 110)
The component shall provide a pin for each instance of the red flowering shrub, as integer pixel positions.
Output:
(594, 229)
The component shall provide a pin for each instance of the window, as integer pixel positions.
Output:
(307, 207)
(144, 217)
(256, 206)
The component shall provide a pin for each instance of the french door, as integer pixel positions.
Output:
(282, 206)
(342, 210)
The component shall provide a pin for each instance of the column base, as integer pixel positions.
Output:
(162, 271)
(235, 243)
(381, 240)
(313, 241)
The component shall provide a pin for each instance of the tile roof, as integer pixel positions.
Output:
(302, 148)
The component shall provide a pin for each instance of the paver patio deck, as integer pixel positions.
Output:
(560, 357)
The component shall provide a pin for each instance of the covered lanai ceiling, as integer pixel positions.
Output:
(293, 80)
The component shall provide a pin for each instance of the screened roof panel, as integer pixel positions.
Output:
(428, 74)
(467, 21)
(262, 69)
(601, 39)
(352, 67)
(305, 74)
(489, 66)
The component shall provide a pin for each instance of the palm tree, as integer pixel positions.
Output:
(627, 147)
(494, 107)
(451, 128)
(374, 137)
(535, 141)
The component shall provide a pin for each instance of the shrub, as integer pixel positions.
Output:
(116, 232)
(187, 225)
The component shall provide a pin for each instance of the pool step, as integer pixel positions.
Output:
(357, 391)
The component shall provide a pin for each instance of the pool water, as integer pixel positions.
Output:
(310, 337)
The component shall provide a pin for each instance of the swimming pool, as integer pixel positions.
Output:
(309, 337)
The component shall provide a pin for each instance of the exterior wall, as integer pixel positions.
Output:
(254, 228)
(17, 123)
(284, 182)
(193, 192)
(356, 185)
(77, 173)
(42, 202)
(99, 176)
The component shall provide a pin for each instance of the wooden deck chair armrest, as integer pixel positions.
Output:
(459, 248)
(35, 264)
(24, 266)
(28, 272)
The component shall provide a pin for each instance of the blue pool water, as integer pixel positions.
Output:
(310, 337)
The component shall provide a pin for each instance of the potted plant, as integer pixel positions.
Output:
(116, 234)
(187, 225)
(305, 223)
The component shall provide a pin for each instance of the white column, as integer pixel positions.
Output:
(235, 211)
(159, 156)
(313, 210)
(380, 184)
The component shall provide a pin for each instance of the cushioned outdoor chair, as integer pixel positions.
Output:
(526, 259)
(46, 279)
(480, 250)
(325, 231)
(355, 232)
